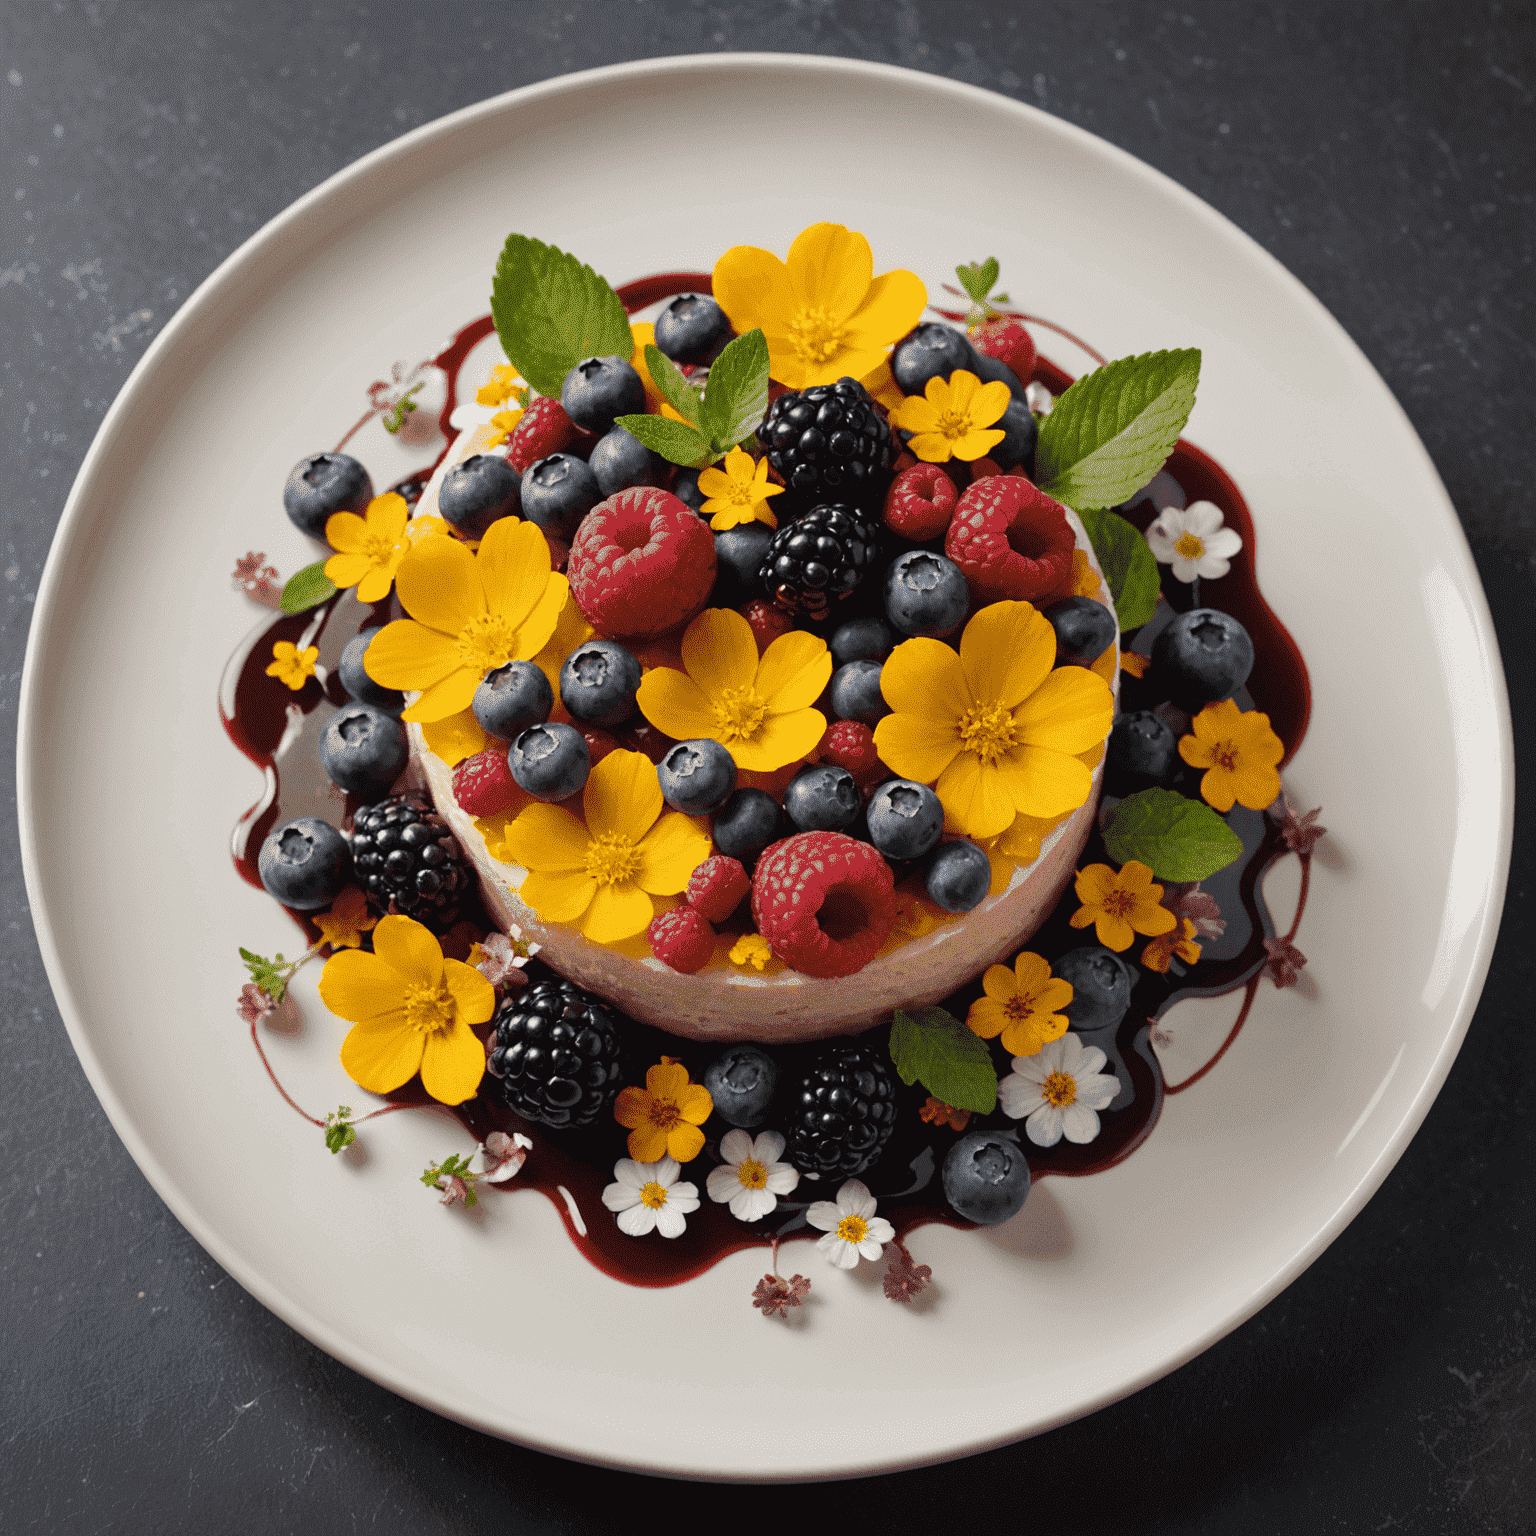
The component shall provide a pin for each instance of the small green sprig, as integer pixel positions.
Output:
(455, 1167)
(272, 976)
(977, 278)
(339, 1131)
(723, 416)
(402, 408)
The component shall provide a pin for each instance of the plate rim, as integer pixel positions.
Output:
(49, 606)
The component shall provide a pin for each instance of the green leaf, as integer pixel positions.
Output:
(1129, 565)
(307, 588)
(1176, 837)
(1114, 429)
(270, 976)
(737, 393)
(551, 311)
(977, 278)
(673, 440)
(339, 1133)
(933, 1047)
(682, 396)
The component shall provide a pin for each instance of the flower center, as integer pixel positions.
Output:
(429, 1009)
(1226, 755)
(1059, 1089)
(953, 424)
(739, 714)
(753, 1174)
(816, 335)
(611, 858)
(653, 1195)
(1119, 903)
(487, 642)
(988, 730)
(1191, 546)
(378, 548)
(1019, 1007)
(852, 1229)
(664, 1114)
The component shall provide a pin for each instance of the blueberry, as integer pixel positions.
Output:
(1202, 656)
(986, 1178)
(905, 819)
(621, 460)
(550, 761)
(364, 750)
(1143, 750)
(685, 486)
(355, 679)
(856, 693)
(866, 639)
(512, 698)
(822, 798)
(933, 351)
(1020, 434)
(599, 388)
(1101, 987)
(696, 777)
(558, 492)
(1084, 629)
(959, 875)
(925, 594)
(739, 555)
(741, 1081)
(993, 370)
(324, 484)
(691, 328)
(746, 824)
(598, 683)
(477, 492)
(305, 863)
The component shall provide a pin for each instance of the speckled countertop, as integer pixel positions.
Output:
(1384, 152)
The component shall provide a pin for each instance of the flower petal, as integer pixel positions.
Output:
(409, 949)
(347, 534)
(382, 1057)
(440, 587)
(719, 651)
(673, 703)
(753, 287)
(473, 996)
(917, 748)
(893, 305)
(925, 678)
(558, 897)
(975, 795)
(617, 912)
(406, 654)
(548, 838)
(451, 696)
(453, 1062)
(1042, 783)
(793, 671)
(1079, 1123)
(1008, 651)
(623, 795)
(830, 268)
(780, 740)
(1071, 711)
(362, 989)
(514, 568)
(669, 854)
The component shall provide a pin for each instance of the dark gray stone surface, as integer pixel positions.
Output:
(1386, 153)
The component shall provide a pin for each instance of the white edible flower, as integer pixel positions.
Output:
(751, 1177)
(1038, 398)
(500, 1157)
(1060, 1089)
(853, 1230)
(1193, 541)
(648, 1198)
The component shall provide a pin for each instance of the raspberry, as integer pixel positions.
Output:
(716, 887)
(641, 563)
(543, 430)
(1012, 541)
(483, 784)
(920, 502)
(850, 744)
(767, 622)
(1009, 341)
(824, 902)
(682, 939)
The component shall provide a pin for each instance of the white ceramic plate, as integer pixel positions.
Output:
(128, 787)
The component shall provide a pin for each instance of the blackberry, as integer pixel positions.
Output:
(818, 559)
(844, 1109)
(557, 1054)
(830, 443)
(408, 861)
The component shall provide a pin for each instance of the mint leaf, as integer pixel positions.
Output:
(551, 311)
(673, 440)
(1114, 429)
(737, 393)
(1129, 565)
(682, 396)
(933, 1047)
(307, 588)
(1176, 837)
(977, 278)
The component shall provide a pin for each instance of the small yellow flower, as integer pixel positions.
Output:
(738, 492)
(1022, 1005)
(1121, 906)
(411, 1011)
(823, 312)
(504, 422)
(503, 385)
(369, 548)
(664, 1117)
(602, 876)
(757, 708)
(291, 665)
(953, 418)
(1178, 941)
(348, 920)
(751, 949)
(1240, 754)
(937, 1112)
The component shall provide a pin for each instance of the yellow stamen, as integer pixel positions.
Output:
(1191, 546)
(429, 1009)
(954, 425)
(653, 1195)
(988, 730)
(739, 714)
(752, 1173)
(611, 858)
(1059, 1089)
(816, 335)
(487, 642)
(852, 1229)
(663, 1114)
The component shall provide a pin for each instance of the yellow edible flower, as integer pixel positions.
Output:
(348, 920)
(602, 876)
(369, 548)
(738, 492)
(997, 727)
(758, 709)
(1121, 906)
(1022, 1005)
(293, 666)
(503, 385)
(469, 615)
(953, 418)
(751, 949)
(1178, 941)
(1240, 754)
(664, 1117)
(504, 422)
(411, 1011)
(823, 312)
